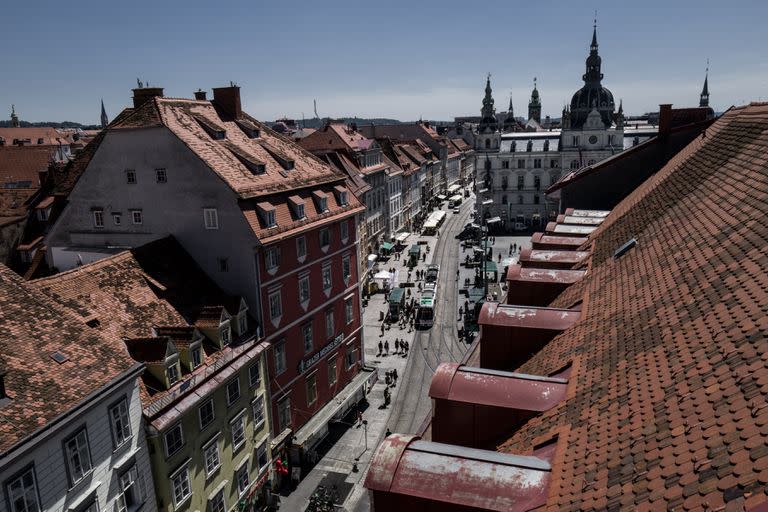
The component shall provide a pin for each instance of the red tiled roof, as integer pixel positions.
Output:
(187, 118)
(24, 163)
(50, 136)
(148, 350)
(34, 328)
(669, 405)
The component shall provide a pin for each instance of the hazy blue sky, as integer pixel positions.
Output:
(395, 59)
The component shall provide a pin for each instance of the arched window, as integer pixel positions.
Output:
(487, 143)
(487, 165)
(520, 199)
(574, 164)
(504, 199)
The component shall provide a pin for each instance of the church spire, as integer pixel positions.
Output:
(593, 74)
(534, 106)
(104, 118)
(14, 117)
(704, 98)
(488, 113)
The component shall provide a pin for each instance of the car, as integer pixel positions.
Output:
(456, 210)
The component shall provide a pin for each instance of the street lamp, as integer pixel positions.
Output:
(486, 221)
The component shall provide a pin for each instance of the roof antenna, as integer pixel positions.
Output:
(138, 82)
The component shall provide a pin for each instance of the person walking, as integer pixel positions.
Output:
(397, 346)
(388, 433)
(387, 379)
(381, 346)
(394, 376)
(386, 347)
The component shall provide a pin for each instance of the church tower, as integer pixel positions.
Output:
(510, 125)
(592, 96)
(704, 98)
(488, 138)
(534, 106)
(14, 117)
(104, 118)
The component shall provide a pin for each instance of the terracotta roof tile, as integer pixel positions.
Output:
(34, 328)
(669, 405)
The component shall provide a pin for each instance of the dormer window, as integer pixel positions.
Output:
(297, 205)
(321, 201)
(249, 129)
(173, 374)
(323, 204)
(215, 131)
(242, 323)
(267, 214)
(224, 334)
(341, 195)
(196, 357)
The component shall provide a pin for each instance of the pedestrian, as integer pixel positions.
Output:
(499, 257)
(381, 347)
(394, 375)
(397, 346)
(382, 334)
(387, 379)
(359, 418)
(386, 347)
(388, 433)
(457, 274)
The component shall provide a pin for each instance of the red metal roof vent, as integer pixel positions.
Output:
(556, 243)
(578, 220)
(544, 259)
(587, 213)
(538, 286)
(477, 407)
(553, 228)
(510, 335)
(409, 474)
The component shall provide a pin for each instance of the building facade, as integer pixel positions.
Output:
(255, 211)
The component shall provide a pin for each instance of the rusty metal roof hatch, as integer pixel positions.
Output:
(624, 248)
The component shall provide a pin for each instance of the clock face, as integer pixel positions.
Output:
(593, 139)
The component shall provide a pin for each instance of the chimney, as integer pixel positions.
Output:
(665, 119)
(228, 100)
(200, 95)
(143, 94)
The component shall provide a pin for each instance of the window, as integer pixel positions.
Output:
(261, 456)
(136, 216)
(117, 219)
(22, 492)
(237, 426)
(233, 391)
(344, 227)
(304, 288)
(504, 182)
(257, 407)
(269, 218)
(520, 182)
(505, 164)
(350, 358)
(590, 162)
(301, 248)
(306, 336)
(242, 323)
(312, 389)
(223, 264)
(575, 140)
(211, 218)
(77, 455)
(329, 329)
(521, 164)
(217, 503)
(121, 422)
(180, 485)
(284, 413)
(325, 238)
(174, 440)
(332, 376)
(348, 311)
(574, 164)
(93, 506)
(207, 413)
(346, 268)
(272, 258)
(300, 211)
(225, 334)
(173, 374)
(211, 456)
(343, 201)
(132, 491)
(536, 199)
(504, 199)
(130, 176)
(242, 479)
(280, 363)
(327, 282)
(553, 164)
(161, 176)
(520, 199)
(98, 218)
(254, 374)
(275, 305)
(487, 143)
(537, 163)
(537, 182)
(197, 357)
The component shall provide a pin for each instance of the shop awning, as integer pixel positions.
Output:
(383, 275)
(372, 257)
(441, 197)
(402, 237)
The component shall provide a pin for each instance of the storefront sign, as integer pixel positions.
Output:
(311, 361)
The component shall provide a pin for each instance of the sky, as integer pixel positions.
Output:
(404, 60)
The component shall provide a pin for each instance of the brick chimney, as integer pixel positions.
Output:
(228, 100)
(200, 95)
(143, 94)
(665, 119)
